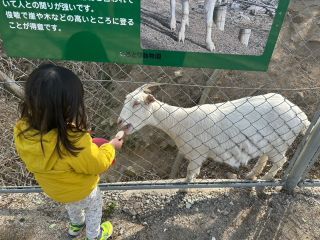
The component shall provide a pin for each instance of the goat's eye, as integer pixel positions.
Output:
(135, 104)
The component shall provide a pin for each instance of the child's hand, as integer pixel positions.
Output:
(117, 143)
(118, 140)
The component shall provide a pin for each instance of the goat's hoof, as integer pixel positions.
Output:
(189, 179)
(181, 37)
(210, 46)
(173, 24)
(251, 176)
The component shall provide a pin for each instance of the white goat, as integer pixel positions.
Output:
(209, 7)
(231, 132)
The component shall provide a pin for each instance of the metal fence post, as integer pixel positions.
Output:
(305, 158)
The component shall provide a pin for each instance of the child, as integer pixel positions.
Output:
(53, 141)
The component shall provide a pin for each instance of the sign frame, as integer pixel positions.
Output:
(90, 42)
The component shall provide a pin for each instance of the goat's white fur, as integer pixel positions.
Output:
(209, 8)
(231, 132)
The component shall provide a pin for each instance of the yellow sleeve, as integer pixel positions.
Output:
(92, 159)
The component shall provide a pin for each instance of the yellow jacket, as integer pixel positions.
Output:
(66, 179)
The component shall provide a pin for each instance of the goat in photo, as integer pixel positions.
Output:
(209, 8)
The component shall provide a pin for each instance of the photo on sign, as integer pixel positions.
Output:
(239, 27)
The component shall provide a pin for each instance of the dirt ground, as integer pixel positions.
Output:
(156, 33)
(228, 214)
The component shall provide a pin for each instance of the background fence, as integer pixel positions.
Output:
(149, 154)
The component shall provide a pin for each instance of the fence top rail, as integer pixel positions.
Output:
(163, 184)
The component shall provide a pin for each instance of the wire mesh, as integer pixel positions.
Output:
(149, 154)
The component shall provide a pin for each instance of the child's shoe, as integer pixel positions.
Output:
(106, 231)
(75, 229)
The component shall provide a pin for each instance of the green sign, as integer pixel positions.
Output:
(150, 32)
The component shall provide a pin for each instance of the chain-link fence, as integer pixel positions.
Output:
(189, 138)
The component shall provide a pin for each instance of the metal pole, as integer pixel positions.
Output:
(303, 159)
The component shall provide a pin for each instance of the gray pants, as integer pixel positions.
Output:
(88, 210)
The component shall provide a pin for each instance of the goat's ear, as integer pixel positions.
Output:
(149, 99)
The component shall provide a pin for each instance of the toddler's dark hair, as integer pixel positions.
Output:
(54, 100)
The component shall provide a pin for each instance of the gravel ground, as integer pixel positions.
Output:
(156, 33)
(220, 214)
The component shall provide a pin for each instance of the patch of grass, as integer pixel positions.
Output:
(109, 210)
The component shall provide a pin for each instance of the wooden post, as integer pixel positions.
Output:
(244, 36)
(205, 93)
(220, 17)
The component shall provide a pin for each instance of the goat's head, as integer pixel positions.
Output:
(137, 109)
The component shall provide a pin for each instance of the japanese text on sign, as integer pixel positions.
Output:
(38, 16)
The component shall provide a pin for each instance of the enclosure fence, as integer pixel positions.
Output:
(199, 127)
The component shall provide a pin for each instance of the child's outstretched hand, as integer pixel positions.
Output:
(117, 141)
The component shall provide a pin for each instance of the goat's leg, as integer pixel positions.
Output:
(176, 164)
(186, 10)
(257, 169)
(173, 15)
(210, 4)
(276, 166)
(193, 168)
(185, 20)
(192, 171)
